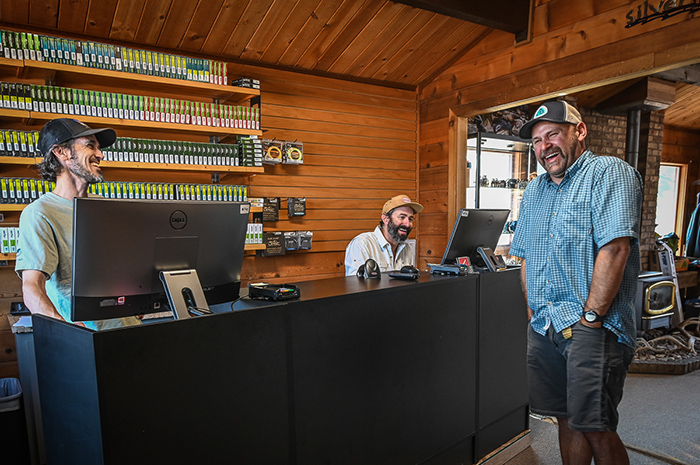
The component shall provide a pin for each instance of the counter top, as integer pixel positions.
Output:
(345, 285)
(20, 324)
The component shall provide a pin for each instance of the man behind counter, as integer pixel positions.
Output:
(387, 243)
(72, 155)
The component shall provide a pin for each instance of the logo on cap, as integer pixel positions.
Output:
(541, 111)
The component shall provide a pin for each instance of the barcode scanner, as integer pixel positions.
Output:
(369, 270)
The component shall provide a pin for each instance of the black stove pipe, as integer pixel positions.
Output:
(634, 116)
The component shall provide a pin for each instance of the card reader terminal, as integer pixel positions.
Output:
(450, 270)
(274, 292)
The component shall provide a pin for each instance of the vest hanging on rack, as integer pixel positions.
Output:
(692, 239)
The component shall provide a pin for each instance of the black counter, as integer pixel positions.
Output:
(356, 371)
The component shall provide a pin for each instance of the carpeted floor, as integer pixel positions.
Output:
(659, 423)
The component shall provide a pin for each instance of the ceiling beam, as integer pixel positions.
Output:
(506, 15)
(688, 74)
(650, 94)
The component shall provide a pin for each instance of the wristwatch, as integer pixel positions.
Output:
(592, 317)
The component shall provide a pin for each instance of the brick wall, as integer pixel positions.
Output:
(651, 144)
(607, 135)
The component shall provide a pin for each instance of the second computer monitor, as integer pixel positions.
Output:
(474, 228)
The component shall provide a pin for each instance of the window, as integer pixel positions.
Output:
(670, 199)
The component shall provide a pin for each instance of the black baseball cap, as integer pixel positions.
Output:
(553, 112)
(60, 130)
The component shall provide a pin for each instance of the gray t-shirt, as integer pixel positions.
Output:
(45, 244)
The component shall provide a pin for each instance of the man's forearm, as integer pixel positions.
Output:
(607, 275)
(38, 302)
(523, 284)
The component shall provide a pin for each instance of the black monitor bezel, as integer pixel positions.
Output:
(474, 228)
(126, 233)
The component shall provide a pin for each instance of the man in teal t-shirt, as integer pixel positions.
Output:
(72, 156)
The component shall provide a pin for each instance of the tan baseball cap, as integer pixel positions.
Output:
(401, 200)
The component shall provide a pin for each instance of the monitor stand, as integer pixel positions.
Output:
(185, 293)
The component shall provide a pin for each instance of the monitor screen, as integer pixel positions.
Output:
(120, 247)
(474, 228)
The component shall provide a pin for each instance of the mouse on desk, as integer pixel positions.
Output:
(409, 269)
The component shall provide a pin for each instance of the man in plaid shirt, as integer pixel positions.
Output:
(577, 234)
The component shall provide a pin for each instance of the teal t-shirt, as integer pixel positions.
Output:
(45, 244)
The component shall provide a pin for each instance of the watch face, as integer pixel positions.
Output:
(590, 316)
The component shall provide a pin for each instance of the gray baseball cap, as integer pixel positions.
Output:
(553, 112)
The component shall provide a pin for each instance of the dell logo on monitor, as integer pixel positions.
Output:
(178, 219)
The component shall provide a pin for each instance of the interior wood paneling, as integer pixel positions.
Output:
(155, 17)
(372, 40)
(289, 30)
(342, 75)
(587, 51)
(369, 39)
(360, 138)
(360, 149)
(10, 291)
(684, 112)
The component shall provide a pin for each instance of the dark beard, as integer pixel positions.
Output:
(84, 174)
(393, 230)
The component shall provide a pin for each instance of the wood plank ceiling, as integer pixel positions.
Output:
(376, 41)
(371, 40)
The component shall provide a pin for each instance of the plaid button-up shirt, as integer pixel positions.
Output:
(559, 232)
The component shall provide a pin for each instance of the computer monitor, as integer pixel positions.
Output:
(474, 228)
(121, 246)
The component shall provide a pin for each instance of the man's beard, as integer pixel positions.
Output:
(393, 230)
(83, 173)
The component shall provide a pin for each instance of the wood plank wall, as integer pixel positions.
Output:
(359, 150)
(575, 46)
(10, 291)
(8, 355)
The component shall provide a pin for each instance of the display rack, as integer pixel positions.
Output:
(79, 77)
(500, 169)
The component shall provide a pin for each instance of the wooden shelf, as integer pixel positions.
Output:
(12, 207)
(13, 256)
(96, 121)
(71, 76)
(9, 113)
(10, 68)
(18, 207)
(26, 161)
(87, 78)
(180, 167)
(29, 161)
(9, 62)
